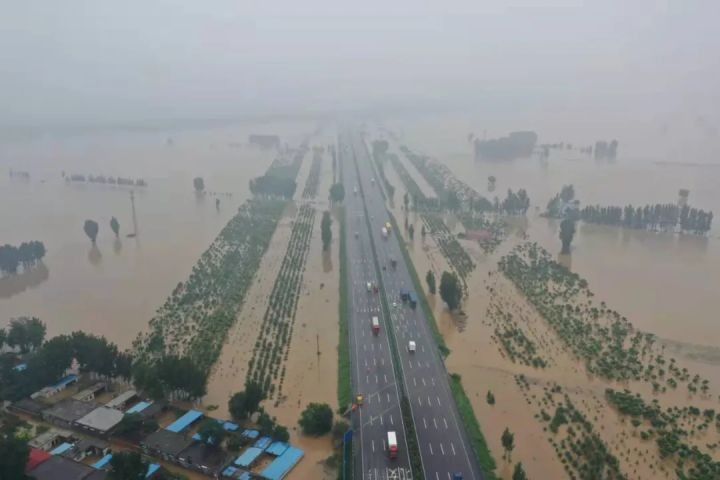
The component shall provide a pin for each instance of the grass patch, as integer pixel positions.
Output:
(344, 390)
(472, 427)
(439, 340)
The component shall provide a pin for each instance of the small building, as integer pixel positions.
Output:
(90, 447)
(185, 421)
(28, 406)
(65, 413)
(88, 395)
(165, 444)
(121, 401)
(203, 458)
(35, 458)
(100, 421)
(61, 468)
(52, 438)
(61, 385)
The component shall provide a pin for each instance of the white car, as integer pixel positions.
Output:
(411, 346)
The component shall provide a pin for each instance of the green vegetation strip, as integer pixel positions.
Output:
(439, 340)
(270, 353)
(472, 427)
(195, 319)
(344, 391)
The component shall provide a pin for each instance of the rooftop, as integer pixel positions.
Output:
(102, 419)
(283, 464)
(138, 407)
(36, 457)
(60, 468)
(70, 410)
(167, 442)
(185, 421)
(203, 455)
(29, 405)
(248, 457)
(90, 391)
(121, 399)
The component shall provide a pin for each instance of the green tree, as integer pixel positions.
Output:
(519, 472)
(490, 398)
(127, 466)
(450, 290)
(130, 423)
(91, 229)
(14, 453)
(325, 230)
(237, 405)
(254, 394)
(115, 226)
(199, 184)
(567, 232)
(3, 337)
(26, 333)
(280, 433)
(430, 279)
(508, 442)
(337, 192)
(316, 419)
(452, 201)
(9, 259)
(212, 431)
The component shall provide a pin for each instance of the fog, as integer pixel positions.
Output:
(89, 61)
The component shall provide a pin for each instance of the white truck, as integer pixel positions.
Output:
(384, 232)
(411, 346)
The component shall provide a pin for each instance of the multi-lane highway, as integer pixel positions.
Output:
(442, 441)
(372, 370)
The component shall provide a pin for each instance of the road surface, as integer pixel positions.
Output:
(443, 444)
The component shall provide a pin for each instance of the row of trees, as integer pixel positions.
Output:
(26, 255)
(168, 376)
(273, 185)
(25, 333)
(50, 361)
(606, 150)
(665, 217)
(129, 182)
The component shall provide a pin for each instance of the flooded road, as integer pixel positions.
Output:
(114, 289)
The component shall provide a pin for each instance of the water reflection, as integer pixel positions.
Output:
(565, 260)
(18, 283)
(327, 260)
(117, 246)
(94, 255)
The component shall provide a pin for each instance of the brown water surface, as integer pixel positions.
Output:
(114, 288)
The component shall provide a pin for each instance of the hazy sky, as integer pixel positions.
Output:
(87, 60)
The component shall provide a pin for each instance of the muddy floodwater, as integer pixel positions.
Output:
(114, 288)
(666, 284)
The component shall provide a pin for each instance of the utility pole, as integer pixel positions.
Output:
(134, 217)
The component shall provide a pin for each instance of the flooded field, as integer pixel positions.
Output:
(311, 361)
(115, 288)
(664, 284)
